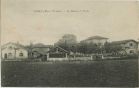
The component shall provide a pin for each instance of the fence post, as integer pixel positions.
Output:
(66, 55)
(102, 56)
(74, 56)
(47, 56)
(91, 57)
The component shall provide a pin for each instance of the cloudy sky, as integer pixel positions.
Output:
(46, 21)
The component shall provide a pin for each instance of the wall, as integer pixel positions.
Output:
(6, 51)
(25, 53)
(134, 45)
(129, 48)
(12, 53)
(102, 41)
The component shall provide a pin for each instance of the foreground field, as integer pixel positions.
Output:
(71, 74)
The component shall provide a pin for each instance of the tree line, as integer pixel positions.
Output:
(69, 43)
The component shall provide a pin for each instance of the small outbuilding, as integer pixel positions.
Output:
(58, 53)
(40, 51)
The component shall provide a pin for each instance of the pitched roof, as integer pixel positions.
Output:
(16, 44)
(123, 41)
(94, 37)
(52, 49)
(43, 50)
(41, 45)
(40, 50)
(62, 49)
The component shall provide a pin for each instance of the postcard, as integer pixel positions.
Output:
(69, 43)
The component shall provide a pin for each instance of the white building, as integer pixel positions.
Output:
(14, 51)
(128, 46)
(95, 40)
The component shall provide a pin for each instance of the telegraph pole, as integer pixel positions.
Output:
(30, 49)
(138, 48)
(15, 52)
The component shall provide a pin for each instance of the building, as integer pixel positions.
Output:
(48, 52)
(40, 50)
(57, 53)
(14, 51)
(128, 46)
(95, 40)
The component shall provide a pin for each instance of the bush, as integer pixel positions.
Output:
(133, 56)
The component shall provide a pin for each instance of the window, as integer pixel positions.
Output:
(9, 54)
(131, 51)
(20, 54)
(10, 47)
(5, 55)
(131, 44)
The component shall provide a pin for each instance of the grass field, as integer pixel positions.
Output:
(118, 73)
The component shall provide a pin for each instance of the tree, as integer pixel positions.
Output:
(89, 48)
(68, 42)
(112, 48)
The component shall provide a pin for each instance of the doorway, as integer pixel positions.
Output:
(5, 55)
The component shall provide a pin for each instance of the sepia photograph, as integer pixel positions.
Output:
(69, 43)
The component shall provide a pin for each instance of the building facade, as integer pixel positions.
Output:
(39, 50)
(57, 53)
(95, 40)
(128, 46)
(14, 51)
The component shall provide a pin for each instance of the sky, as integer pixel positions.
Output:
(46, 21)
